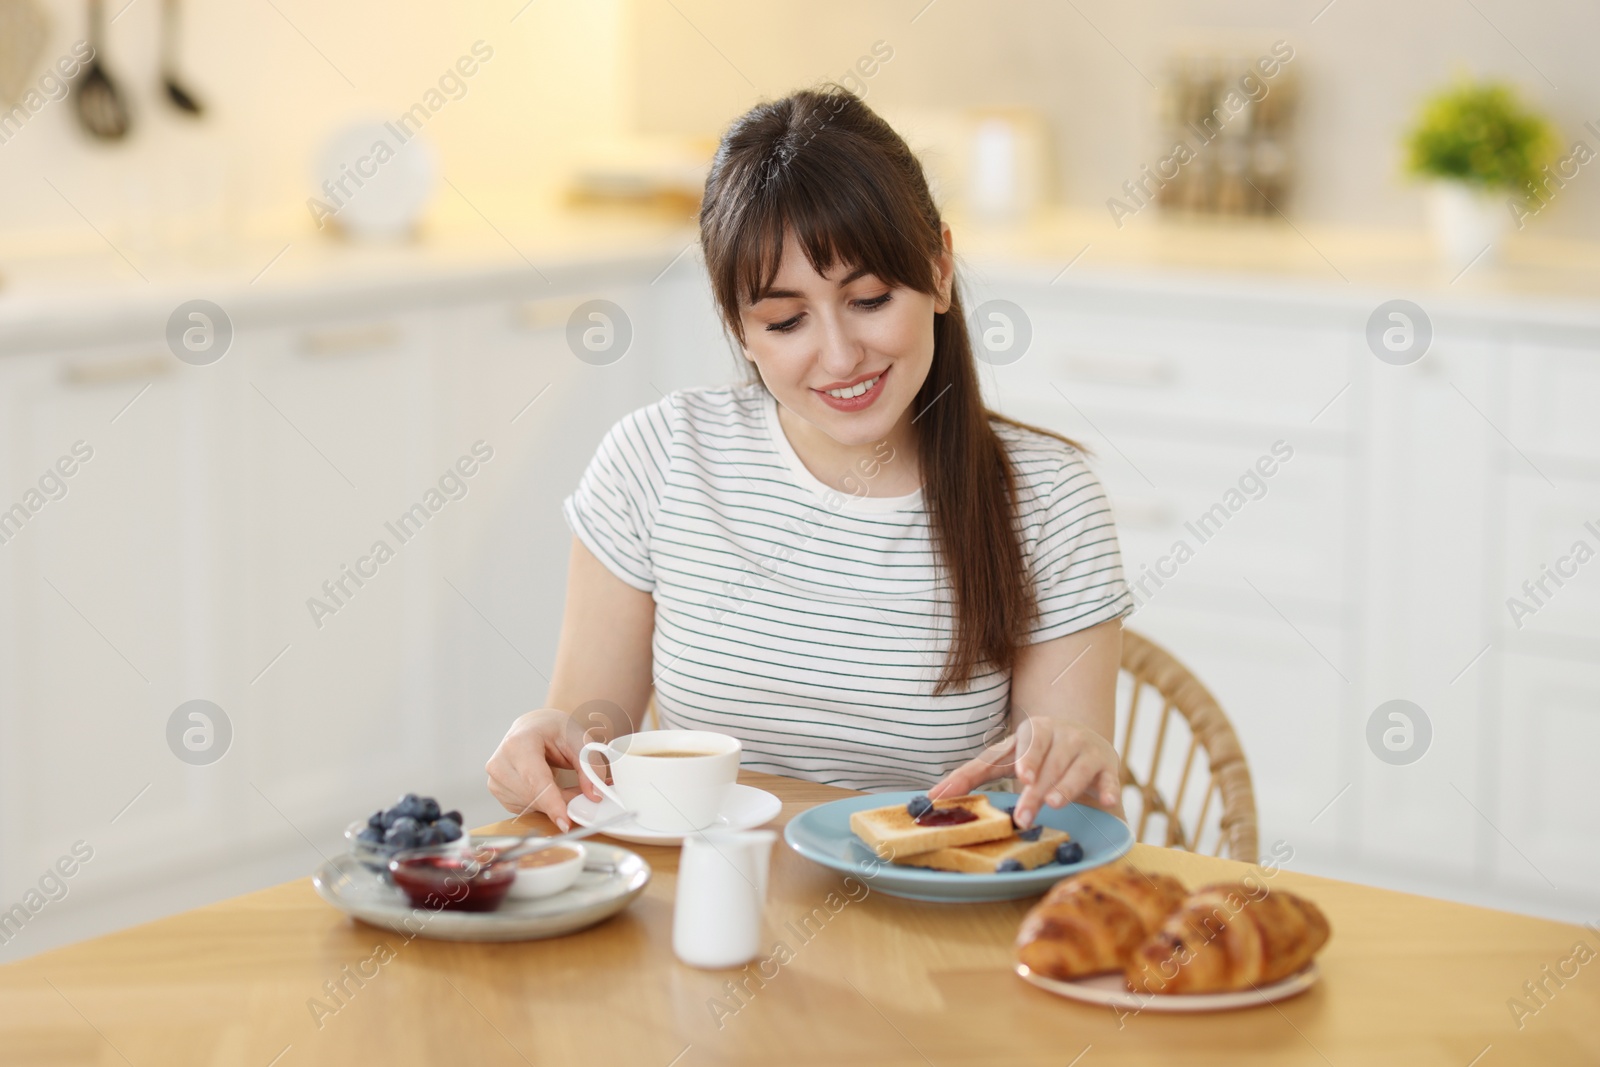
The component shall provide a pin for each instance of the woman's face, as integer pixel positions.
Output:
(844, 331)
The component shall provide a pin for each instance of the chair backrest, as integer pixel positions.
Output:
(1156, 682)
(1153, 679)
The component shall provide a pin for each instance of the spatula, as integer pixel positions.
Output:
(101, 109)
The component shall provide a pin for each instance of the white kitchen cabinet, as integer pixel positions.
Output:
(1546, 821)
(1179, 400)
(1555, 392)
(216, 505)
(336, 443)
(1547, 531)
(1378, 543)
(1172, 371)
(510, 376)
(1376, 565)
(504, 376)
(507, 377)
(1426, 465)
(1290, 708)
(114, 599)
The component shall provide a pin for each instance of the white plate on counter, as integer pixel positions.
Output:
(611, 879)
(1111, 991)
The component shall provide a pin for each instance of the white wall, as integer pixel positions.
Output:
(278, 84)
(1364, 66)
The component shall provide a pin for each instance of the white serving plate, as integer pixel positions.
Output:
(1111, 991)
(598, 894)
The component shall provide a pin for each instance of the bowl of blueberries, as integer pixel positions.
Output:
(413, 822)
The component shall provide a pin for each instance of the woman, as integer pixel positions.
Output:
(848, 563)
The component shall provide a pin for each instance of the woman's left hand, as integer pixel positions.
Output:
(1056, 762)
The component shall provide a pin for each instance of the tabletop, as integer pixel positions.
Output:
(867, 979)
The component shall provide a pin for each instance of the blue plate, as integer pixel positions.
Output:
(822, 834)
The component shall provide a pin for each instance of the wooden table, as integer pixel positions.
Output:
(879, 981)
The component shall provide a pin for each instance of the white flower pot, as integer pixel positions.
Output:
(1466, 220)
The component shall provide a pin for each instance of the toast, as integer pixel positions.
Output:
(986, 858)
(891, 832)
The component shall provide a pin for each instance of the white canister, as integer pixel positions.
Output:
(1006, 165)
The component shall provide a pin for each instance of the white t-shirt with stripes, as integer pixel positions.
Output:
(812, 624)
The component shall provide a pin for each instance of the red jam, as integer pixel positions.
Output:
(944, 817)
(453, 883)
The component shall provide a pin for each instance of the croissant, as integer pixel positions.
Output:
(1091, 923)
(1228, 937)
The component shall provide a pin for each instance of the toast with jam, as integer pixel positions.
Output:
(1022, 851)
(925, 825)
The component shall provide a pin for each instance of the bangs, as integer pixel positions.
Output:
(837, 198)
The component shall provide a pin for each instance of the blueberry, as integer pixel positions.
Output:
(1012, 812)
(387, 817)
(1009, 865)
(370, 835)
(1069, 852)
(449, 828)
(410, 806)
(430, 809)
(1030, 834)
(430, 835)
(919, 805)
(402, 833)
(456, 816)
(375, 820)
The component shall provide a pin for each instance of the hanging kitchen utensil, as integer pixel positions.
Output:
(101, 108)
(23, 30)
(181, 97)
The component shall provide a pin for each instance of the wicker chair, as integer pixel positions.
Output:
(1148, 669)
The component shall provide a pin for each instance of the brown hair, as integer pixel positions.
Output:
(822, 164)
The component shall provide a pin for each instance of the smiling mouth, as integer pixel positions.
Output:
(858, 389)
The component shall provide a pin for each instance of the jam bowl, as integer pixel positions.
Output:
(451, 878)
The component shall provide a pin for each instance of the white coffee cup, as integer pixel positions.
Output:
(666, 790)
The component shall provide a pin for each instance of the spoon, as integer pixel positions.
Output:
(181, 98)
(535, 842)
(100, 107)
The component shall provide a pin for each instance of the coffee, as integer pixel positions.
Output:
(674, 754)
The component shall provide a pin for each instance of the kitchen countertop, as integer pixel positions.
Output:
(58, 288)
(883, 981)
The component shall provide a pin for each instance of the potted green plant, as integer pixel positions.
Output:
(1478, 147)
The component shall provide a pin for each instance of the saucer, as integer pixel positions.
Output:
(746, 808)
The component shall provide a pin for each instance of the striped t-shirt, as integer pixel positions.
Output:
(810, 623)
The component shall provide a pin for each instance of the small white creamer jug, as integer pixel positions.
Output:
(722, 892)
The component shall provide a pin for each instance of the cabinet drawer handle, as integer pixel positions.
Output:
(112, 371)
(326, 344)
(1119, 369)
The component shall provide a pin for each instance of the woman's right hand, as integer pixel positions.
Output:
(521, 771)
